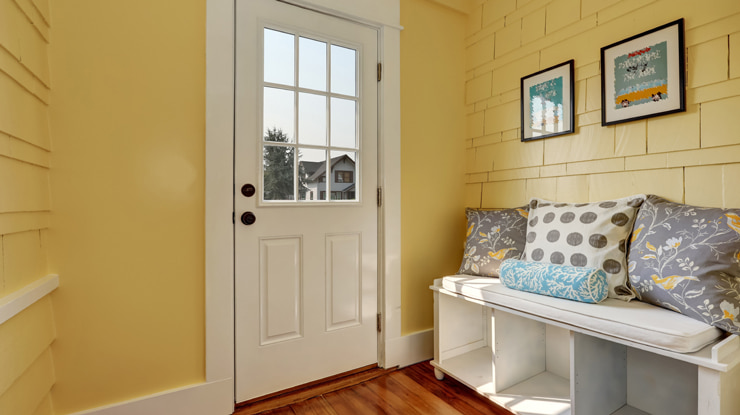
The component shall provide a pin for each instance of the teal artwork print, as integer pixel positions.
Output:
(641, 76)
(546, 112)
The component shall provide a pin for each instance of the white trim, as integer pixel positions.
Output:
(14, 303)
(211, 398)
(220, 187)
(219, 190)
(375, 13)
(389, 168)
(412, 348)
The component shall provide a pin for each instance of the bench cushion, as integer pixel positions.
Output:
(634, 321)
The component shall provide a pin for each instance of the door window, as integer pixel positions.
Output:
(310, 100)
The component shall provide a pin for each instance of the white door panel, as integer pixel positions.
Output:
(306, 139)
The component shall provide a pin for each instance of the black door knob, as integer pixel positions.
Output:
(248, 218)
(248, 190)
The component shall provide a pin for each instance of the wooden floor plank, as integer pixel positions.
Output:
(384, 405)
(286, 410)
(313, 406)
(453, 392)
(429, 403)
(397, 404)
(348, 401)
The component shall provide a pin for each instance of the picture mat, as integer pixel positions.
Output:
(562, 70)
(669, 35)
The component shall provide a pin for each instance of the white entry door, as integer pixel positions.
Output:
(305, 202)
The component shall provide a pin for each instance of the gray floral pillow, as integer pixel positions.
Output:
(492, 236)
(687, 259)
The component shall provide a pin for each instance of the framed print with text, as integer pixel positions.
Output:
(547, 97)
(643, 76)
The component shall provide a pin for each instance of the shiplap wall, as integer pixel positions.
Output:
(27, 372)
(691, 157)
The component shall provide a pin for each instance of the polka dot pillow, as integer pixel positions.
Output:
(584, 235)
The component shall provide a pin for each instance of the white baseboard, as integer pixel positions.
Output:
(410, 349)
(211, 398)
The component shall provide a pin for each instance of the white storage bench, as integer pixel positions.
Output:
(541, 355)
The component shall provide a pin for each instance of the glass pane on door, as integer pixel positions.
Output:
(279, 65)
(343, 71)
(312, 64)
(278, 115)
(311, 119)
(278, 172)
(343, 123)
(312, 174)
(343, 175)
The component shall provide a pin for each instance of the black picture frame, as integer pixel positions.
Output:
(547, 102)
(644, 75)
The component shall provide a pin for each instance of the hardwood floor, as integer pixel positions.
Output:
(411, 390)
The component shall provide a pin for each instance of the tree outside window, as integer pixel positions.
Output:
(278, 164)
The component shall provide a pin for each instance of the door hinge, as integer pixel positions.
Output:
(380, 322)
(380, 71)
(380, 196)
(233, 218)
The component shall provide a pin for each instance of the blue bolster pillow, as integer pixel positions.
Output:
(588, 285)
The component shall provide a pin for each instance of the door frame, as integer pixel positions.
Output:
(384, 15)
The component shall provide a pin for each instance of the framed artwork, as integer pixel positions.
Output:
(547, 102)
(643, 76)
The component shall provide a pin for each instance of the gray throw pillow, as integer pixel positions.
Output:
(493, 236)
(584, 235)
(687, 259)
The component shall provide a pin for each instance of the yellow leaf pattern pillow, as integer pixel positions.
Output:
(491, 237)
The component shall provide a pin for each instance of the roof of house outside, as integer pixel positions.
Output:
(316, 169)
(349, 187)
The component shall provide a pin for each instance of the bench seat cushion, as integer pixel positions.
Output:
(634, 321)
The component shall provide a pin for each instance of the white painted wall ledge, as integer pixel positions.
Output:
(13, 303)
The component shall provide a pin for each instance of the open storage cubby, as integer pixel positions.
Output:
(519, 363)
(534, 366)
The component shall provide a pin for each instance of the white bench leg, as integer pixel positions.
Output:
(439, 374)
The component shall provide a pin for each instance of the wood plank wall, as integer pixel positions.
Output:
(27, 373)
(691, 157)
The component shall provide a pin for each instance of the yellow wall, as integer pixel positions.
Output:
(432, 152)
(127, 186)
(26, 366)
(691, 157)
